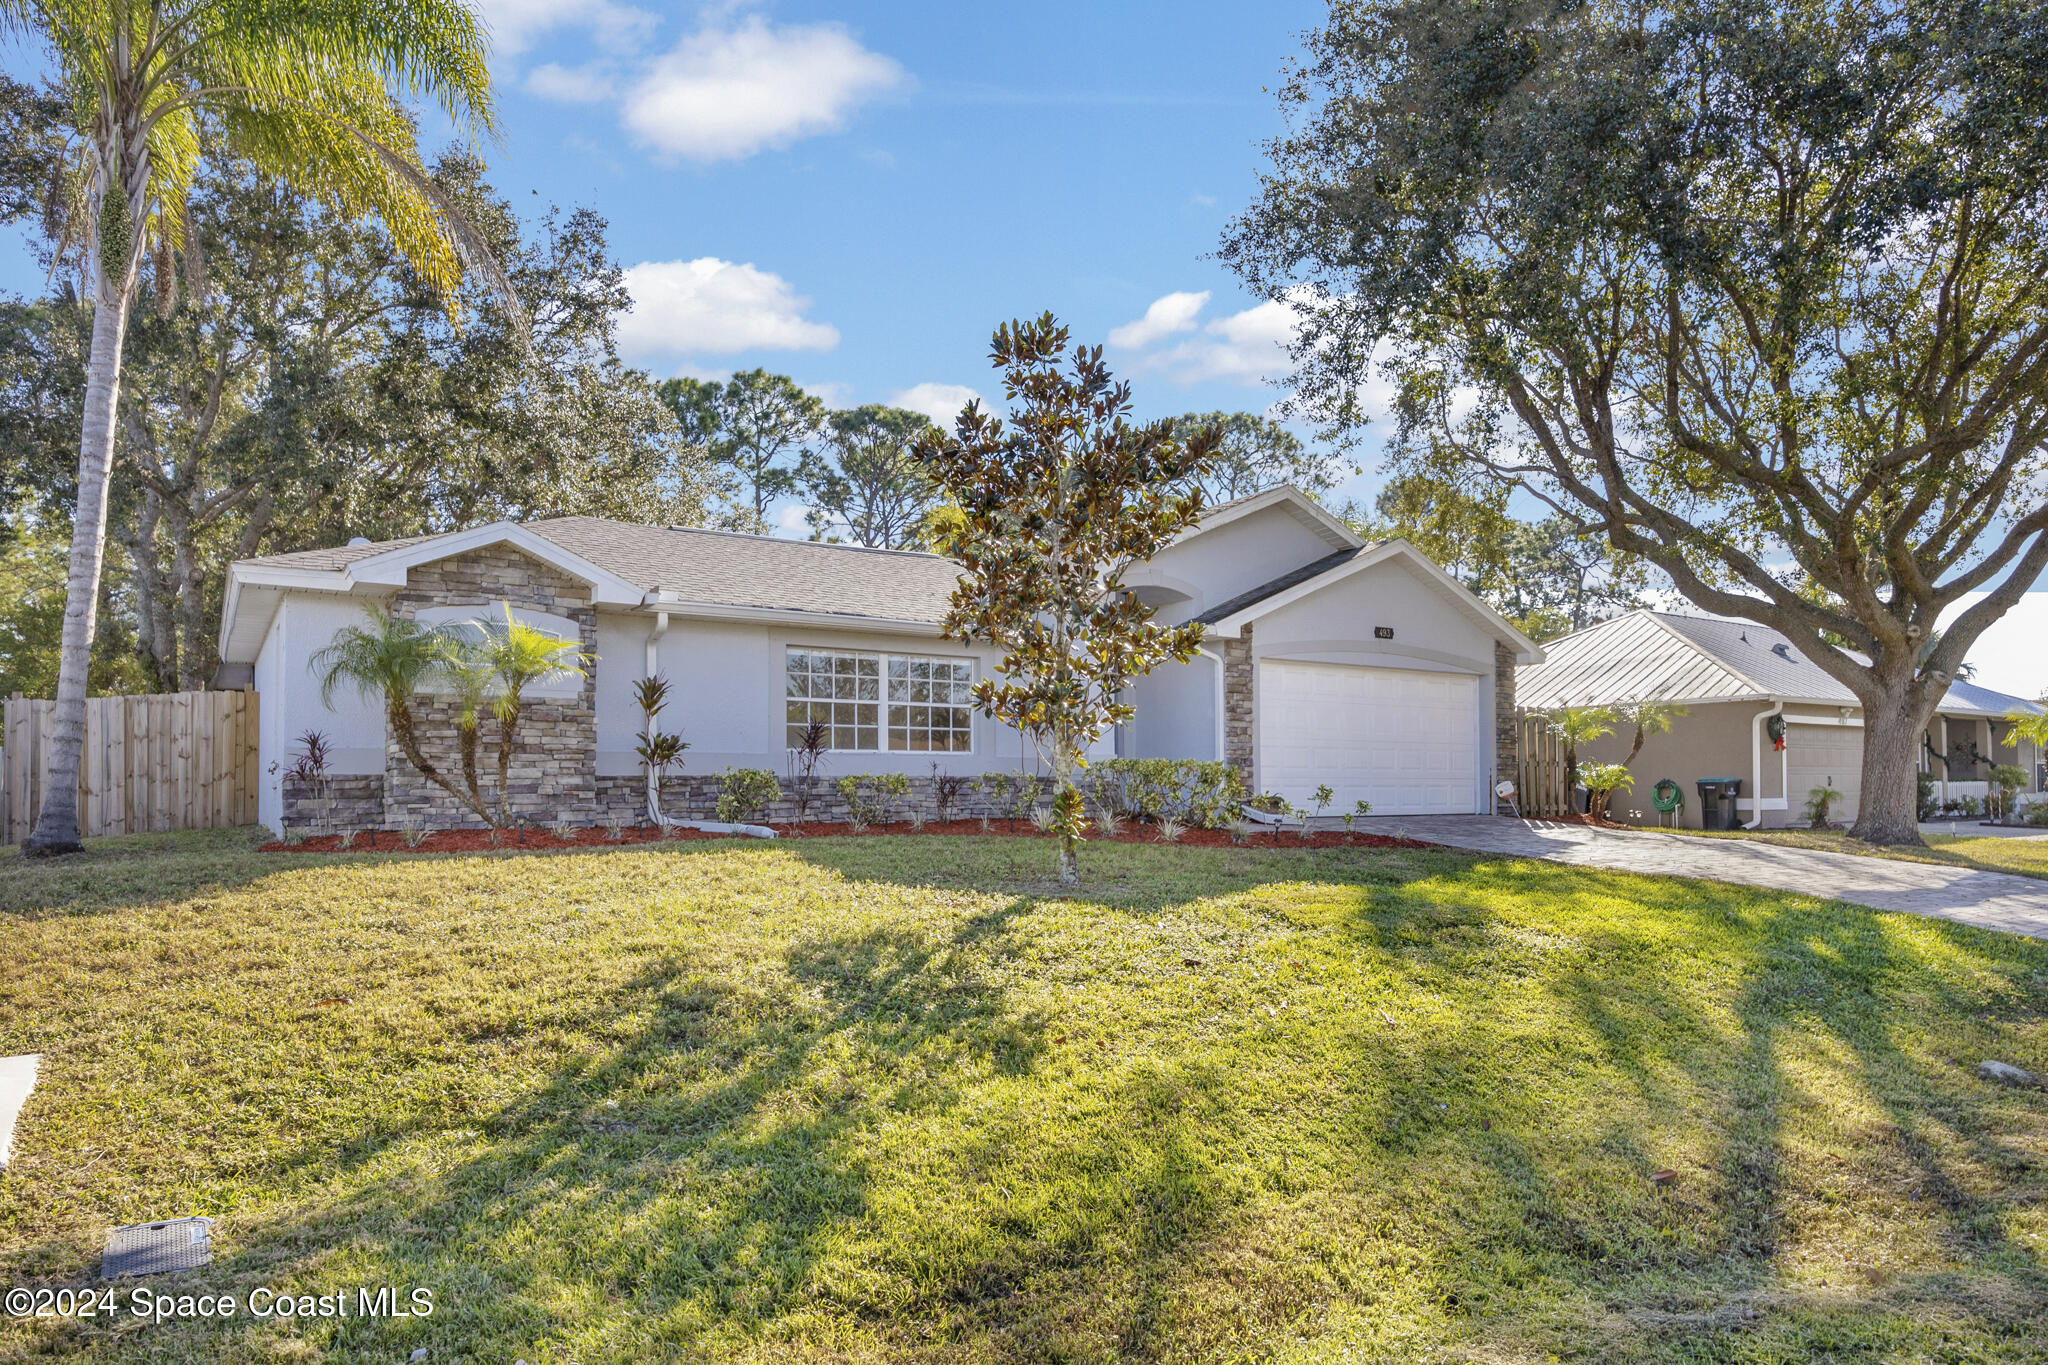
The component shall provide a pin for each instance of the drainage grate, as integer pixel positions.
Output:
(158, 1248)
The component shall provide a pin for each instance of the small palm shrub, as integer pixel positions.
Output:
(1603, 780)
(1820, 802)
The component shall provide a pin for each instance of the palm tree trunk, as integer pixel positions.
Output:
(508, 730)
(399, 717)
(56, 828)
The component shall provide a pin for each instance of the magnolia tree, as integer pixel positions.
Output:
(1751, 289)
(1056, 505)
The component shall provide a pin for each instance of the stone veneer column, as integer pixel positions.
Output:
(1237, 705)
(1507, 731)
(554, 773)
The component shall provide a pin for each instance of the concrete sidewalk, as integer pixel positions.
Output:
(1990, 900)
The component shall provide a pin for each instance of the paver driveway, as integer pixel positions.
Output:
(1993, 900)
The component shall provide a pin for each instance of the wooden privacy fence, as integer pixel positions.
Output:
(181, 760)
(1542, 786)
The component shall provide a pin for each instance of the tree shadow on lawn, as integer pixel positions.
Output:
(845, 1160)
(692, 1174)
(1791, 1013)
(148, 870)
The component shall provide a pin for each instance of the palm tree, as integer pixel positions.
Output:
(519, 656)
(466, 673)
(1577, 725)
(303, 90)
(390, 659)
(1648, 718)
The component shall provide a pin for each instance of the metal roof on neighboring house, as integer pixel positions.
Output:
(1662, 656)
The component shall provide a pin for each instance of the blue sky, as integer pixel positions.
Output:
(857, 196)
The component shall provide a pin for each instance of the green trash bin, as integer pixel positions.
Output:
(1717, 802)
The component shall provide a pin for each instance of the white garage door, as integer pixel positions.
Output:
(1405, 741)
(1822, 756)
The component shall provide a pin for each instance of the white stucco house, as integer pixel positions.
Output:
(1327, 660)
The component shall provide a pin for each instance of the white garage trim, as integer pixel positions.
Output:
(1409, 741)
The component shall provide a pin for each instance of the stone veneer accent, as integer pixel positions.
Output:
(351, 801)
(1507, 762)
(695, 797)
(553, 774)
(1237, 705)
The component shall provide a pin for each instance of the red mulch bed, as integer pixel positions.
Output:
(540, 840)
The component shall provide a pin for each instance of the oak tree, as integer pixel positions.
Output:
(1751, 288)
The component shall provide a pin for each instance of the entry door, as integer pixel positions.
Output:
(1405, 740)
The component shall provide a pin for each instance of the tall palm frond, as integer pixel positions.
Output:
(311, 92)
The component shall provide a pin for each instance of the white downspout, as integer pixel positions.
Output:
(1217, 659)
(1756, 761)
(653, 669)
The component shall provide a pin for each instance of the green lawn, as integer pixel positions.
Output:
(896, 1099)
(1987, 853)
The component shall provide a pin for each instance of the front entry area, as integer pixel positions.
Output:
(1403, 739)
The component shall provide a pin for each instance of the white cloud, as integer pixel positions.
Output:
(725, 93)
(713, 307)
(515, 24)
(940, 402)
(2008, 655)
(1245, 348)
(586, 84)
(833, 393)
(1167, 315)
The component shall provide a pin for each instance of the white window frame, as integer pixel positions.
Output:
(882, 703)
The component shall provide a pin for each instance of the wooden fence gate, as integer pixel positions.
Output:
(1542, 785)
(179, 760)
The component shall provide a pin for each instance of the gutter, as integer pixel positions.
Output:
(653, 668)
(1220, 693)
(1756, 761)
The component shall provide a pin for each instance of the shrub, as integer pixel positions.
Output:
(1193, 792)
(413, 833)
(1928, 807)
(2006, 782)
(745, 793)
(1603, 780)
(895, 793)
(1268, 803)
(1171, 831)
(814, 741)
(947, 791)
(863, 806)
(1819, 802)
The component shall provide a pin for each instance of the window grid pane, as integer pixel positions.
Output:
(930, 705)
(839, 691)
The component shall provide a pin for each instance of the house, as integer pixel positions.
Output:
(1328, 661)
(1735, 677)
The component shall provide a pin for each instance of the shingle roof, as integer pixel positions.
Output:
(722, 568)
(1277, 585)
(732, 569)
(1662, 656)
(334, 557)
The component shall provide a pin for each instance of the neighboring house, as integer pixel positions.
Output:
(1328, 661)
(1734, 677)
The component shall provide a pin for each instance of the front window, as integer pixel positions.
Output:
(902, 703)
